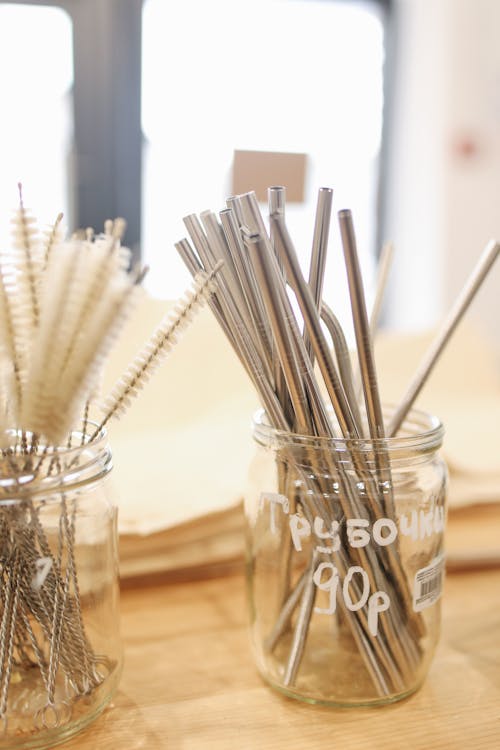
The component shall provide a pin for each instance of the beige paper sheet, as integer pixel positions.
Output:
(183, 448)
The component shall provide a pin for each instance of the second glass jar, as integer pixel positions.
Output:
(345, 561)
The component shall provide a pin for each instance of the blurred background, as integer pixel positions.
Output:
(153, 110)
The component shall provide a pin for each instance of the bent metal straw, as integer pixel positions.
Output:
(254, 310)
(62, 306)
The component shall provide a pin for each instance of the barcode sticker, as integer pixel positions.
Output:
(428, 584)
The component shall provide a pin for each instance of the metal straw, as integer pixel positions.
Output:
(283, 339)
(384, 267)
(259, 327)
(343, 358)
(276, 199)
(464, 299)
(319, 344)
(361, 327)
(319, 252)
(290, 347)
(320, 244)
(228, 317)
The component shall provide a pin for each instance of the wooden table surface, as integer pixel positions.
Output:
(189, 682)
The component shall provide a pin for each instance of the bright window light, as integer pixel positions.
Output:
(274, 75)
(36, 58)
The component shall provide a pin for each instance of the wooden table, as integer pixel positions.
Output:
(189, 682)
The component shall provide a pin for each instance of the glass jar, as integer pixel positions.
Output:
(60, 647)
(345, 561)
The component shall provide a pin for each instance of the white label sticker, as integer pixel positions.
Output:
(428, 584)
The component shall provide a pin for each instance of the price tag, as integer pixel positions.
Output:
(428, 584)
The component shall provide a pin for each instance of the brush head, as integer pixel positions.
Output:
(63, 304)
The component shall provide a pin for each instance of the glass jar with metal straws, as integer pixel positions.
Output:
(345, 505)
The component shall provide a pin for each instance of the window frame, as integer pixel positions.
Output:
(106, 157)
(105, 161)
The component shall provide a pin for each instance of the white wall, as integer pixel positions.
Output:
(444, 176)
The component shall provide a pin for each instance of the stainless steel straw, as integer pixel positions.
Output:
(320, 244)
(464, 299)
(319, 344)
(319, 252)
(361, 327)
(277, 202)
(343, 357)
(383, 270)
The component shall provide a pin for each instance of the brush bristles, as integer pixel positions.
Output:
(15, 328)
(52, 237)
(27, 245)
(86, 299)
(63, 304)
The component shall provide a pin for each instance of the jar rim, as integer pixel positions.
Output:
(76, 465)
(420, 431)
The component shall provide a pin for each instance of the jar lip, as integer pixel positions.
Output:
(82, 435)
(420, 430)
(88, 460)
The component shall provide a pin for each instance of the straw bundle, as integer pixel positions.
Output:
(278, 350)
